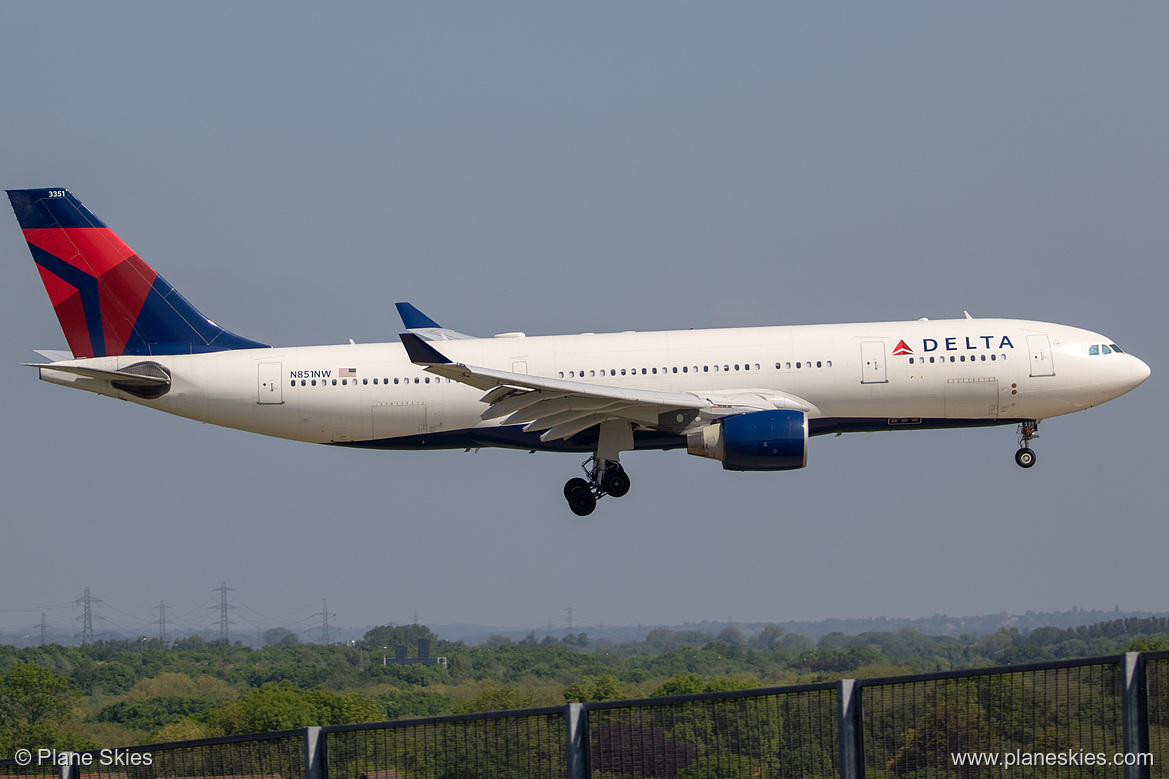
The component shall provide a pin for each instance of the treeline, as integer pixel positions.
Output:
(118, 693)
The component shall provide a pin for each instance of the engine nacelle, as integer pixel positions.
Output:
(757, 441)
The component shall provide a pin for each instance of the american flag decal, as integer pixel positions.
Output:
(346, 373)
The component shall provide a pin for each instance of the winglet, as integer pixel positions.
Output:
(413, 318)
(420, 352)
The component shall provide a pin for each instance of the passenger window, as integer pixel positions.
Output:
(622, 371)
(799, 364)
(655, 371)
(334, 382)
(829, 363)
(819, 365)
(314, 382)
(684, 369)
(303, 382)
(706, 369)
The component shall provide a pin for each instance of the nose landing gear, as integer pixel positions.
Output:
(1025, 457)
(605, 477)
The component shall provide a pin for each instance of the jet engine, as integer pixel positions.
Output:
(756, 441)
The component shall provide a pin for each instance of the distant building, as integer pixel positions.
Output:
(423, 658)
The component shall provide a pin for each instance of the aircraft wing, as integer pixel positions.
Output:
(562, 408)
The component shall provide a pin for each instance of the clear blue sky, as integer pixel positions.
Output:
(296, 168)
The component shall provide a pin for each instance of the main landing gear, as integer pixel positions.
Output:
(604, 477)
(1025, 457)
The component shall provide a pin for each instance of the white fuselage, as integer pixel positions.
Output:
(869, 376)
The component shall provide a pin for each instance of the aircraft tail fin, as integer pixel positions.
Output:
(108, 300)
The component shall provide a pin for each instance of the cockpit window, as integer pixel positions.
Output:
(1104, 349)
(1094, 350)
(1116, 349)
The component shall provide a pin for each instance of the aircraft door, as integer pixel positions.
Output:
(873, 363)
(1039, 352)
(269, 387)
(393, 419)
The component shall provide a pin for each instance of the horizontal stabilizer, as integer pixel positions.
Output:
(142, 379)
(54, 355)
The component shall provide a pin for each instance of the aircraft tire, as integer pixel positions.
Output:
(582, 502)
(1025, 457)
(616, 482)
(574, 484)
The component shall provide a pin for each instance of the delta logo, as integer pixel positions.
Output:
(956, 344)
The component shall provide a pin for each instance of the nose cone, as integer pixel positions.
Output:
(1140, 371)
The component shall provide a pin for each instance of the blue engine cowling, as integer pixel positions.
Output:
(758, 441)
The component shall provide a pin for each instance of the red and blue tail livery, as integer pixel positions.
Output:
(109, 301)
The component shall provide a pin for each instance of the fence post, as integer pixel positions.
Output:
(576, 741)
(848, 726)
(314, 753)
(1134, 723)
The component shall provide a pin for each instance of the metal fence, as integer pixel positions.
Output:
(1106, 717)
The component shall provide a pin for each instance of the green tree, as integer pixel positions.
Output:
(280, 637)
(402, 635)
(283, 706)
(602, 688)
(496, 699)
(36, 709)
(1144, 644)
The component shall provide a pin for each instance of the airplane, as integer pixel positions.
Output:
(748, 397)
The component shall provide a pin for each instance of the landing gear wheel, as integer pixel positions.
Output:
(573, 485)
(1028, 430)
(582, 501)
(1025, 457)
(615, 482)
